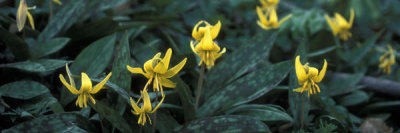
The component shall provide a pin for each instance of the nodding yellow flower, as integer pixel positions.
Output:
(269, 4)
(86, 90)
(308, 77)
(22, 13)
(146, 108)
(199, 32)
(340, 26)
(269, 19)
(207, 49)
(157, 69)
(57, 1)
(387, 60)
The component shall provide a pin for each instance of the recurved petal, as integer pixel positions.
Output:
(137, 70)
(192, 47)
(173, 71)
(167, 57)
(340, 20)
(57, 1)
(134, 106)
(331, 24)
(86, 83)
(69, 87)
(160, 68)
(21, 14)
(351, 17)
(321, 73)
(148, 66)
(71, 80)
(273, 18)
(284, 19)
(167, 83)
(215, 30)
(261, 16)
(92, 99)
(146, 101)
(30, 18)
(100, 85)
(300, 72)
(158, 105)
(195, 32)
(263, 26)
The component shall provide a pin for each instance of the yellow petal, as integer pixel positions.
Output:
(134, 106)
(100, 85)
(71, 80)
(340, 20)
(173, 71)
(321, 73)
(331, 24)
(273, 18)
(160, 68)
(351, 17)
(21, 14)
(192, 47)
(146, 101)
(312, 72)
(30, 18)
(92, 99)
(69, 87)
(84, 100)
(300, 72)
(148, 118)
(86, 83)
(261, 16)
(300, 89)
(215, 30)
(196, 35)
(137, 70)
(57, 1)
(167, 57)
(158, 105)
(168, 83)
(80, 97)
(284, 19)
(148, 66)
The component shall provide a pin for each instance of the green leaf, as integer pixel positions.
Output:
(92, 60)
(43, 65)
(245, 89)
(23, 89)
(63, 122)
(112, 116)
(226, 124)
(356, 55)
(18, 46)
(185, 95)
(343, 85)
(354, 98)
(165, 122)
(382, 106)
(39, 104)
(321, 52)
(63, 19)
(49, 47)
(239, 62)
(121, 76)
(271, 114)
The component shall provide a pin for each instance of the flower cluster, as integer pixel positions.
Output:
(204, 46)
(267, 15)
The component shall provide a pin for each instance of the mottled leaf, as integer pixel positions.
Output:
(18, 46)
(63, 122)
(185, 95)
(271, 114)
(165, 122)
(225, 124)
(48, 47)
(23, 89)
(354, 98)
(245, 89)
(239, 62)
(92, 60)
(43, 65)
(63, 19)
(338, 86)
(112, 115)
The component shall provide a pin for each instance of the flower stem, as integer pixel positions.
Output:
(155, 115)
(302, 112)
(199, 86)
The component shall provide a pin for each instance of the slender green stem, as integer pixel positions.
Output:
(159, 87)
(199, 85)
(302, 112)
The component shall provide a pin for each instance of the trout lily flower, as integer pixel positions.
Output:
(341, 26)
(199, 32)
(308, 77)
(387, 60)
(269, 4)
(207, 49)
(86, 90)
(57, 2)
(22, 13)
(269, 19)
(157, 69)
(146, 108)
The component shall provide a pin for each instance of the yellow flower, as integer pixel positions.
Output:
(57, 1)
(22, 13)
(308, 77)
(269, 4)
(340, 26)
(157, 69)
(86, 88)
(198, 32)
(207, 49)
(269, 20)
(387, 60)
(146, 108)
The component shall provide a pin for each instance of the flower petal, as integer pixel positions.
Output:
(215, 30)
(134, 106)
(167, 83)
(92, 99)
(30, 18)
(69, 87)
(21, 14)
(300, 72)
(146, 101)
(86, 83)
(321, 73)
(351, 17)
(71, 80)
(195, 34)
(173, 71)
(332, 25)
(100, 85)
(167, 58)
(284, 19)
(158, 105)
(137, 70)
